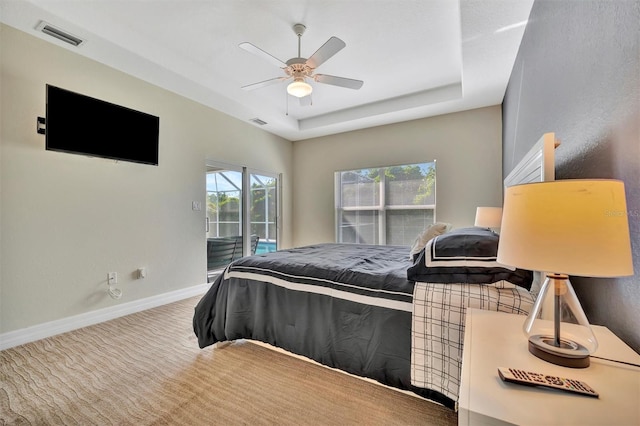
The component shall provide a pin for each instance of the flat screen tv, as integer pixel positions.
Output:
(80, 124)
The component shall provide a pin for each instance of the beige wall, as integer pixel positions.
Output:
(467, 146)
(67, 220)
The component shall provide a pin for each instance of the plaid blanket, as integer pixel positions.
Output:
(438, 327)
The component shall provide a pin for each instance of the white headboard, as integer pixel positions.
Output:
(538, 165)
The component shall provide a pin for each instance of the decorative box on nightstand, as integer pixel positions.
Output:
(494, 339)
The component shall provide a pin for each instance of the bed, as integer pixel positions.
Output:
(380, 312)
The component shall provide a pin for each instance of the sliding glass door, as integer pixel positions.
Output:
(232, 230)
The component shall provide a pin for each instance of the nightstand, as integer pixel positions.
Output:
(495, 339)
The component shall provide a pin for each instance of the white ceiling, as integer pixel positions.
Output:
(417, 58)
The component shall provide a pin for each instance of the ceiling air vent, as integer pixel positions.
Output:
(59, 34)
(258, 121)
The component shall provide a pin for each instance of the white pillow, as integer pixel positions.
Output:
(431, 231)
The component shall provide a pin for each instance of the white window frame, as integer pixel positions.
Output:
(381, 208)
(245, 225)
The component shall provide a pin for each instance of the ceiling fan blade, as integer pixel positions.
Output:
(326, 51)
(306, 101)
(338, 81)
(264, 55)
(264, 83)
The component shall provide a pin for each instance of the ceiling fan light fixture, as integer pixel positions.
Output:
(299, 88)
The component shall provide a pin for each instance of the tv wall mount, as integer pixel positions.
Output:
(41, 125)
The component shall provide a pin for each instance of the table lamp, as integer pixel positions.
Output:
(488, 217)
(565, 227)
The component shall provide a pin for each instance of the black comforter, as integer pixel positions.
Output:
(345, 306)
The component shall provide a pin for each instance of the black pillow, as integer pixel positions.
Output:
(466, 255)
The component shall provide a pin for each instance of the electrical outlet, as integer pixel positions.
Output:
(112, 278)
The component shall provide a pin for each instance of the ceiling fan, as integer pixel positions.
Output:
(300, 69)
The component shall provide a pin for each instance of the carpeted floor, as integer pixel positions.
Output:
(147, 369)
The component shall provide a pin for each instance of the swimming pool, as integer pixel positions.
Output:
(265, 247)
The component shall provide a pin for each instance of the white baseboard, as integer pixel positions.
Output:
(48, 329)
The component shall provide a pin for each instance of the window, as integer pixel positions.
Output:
(385, 205)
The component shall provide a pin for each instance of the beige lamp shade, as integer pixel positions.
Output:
(573, 227)
(488, 217)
